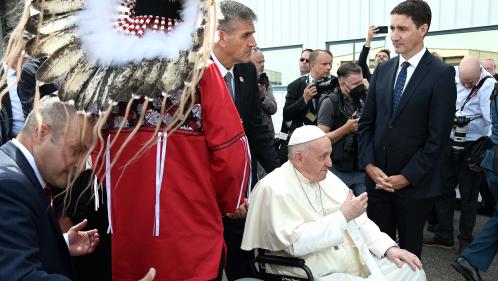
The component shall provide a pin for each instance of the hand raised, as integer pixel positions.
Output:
(353, 207)
(309, 92)
(82, 242)
(352, 125)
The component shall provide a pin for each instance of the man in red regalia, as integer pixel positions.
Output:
(173, 156)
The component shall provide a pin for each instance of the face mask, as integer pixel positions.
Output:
(358, 92)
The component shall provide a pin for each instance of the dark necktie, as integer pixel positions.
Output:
(400, 84)
(228, 80)
(48, 193)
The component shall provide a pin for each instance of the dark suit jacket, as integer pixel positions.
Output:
(26, 86)
(295, 108)
(248, 104)
(5, 118)
(5, 114)
(31, 243)
(411, 141)
(363, 63)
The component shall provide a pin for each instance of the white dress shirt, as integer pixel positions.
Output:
(414, 61)
(224, 71)
(15, 102)
(477, 106)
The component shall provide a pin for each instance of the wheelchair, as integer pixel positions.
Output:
(258, 267)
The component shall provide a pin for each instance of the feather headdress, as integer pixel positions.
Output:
(112, 51)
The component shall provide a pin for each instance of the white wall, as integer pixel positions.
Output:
(314, 22)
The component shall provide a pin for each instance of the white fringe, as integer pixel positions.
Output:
(108, 182)
(162, 141)
(247, 163)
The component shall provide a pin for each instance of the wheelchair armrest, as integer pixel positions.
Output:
(263, 258)
(286, 261)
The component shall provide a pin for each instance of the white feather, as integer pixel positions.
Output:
(109, 47)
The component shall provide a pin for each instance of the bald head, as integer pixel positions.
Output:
(469, 71)
(258, 59)
(490, 65)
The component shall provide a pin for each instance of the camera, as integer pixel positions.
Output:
(382, 29)
(325, 85)
(350, 142)
(263, 80)
(460, 123)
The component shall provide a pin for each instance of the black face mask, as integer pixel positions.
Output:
(358, 92)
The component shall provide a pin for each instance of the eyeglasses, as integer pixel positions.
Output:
(304, 60)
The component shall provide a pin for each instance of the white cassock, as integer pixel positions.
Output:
(289, 216)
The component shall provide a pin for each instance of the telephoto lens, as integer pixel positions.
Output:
(461, 123)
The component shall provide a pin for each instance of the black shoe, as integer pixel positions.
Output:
(464, 267)
(436, 242)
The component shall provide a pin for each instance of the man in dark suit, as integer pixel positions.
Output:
(232, 53)
(301, 101)
(402, 132)
(32, 246)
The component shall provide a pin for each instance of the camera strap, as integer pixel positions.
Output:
(474, 91)
(493, 98)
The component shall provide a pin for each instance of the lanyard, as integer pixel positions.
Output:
(474, 91)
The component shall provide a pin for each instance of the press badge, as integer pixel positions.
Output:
(311, 116)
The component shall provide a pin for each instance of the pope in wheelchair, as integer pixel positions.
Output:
(303, 210)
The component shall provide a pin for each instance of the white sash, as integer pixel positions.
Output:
(364, 252)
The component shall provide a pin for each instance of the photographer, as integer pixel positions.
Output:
(338, 116)
(268, 103)
(301, 101)
(382, 55)
(472, 121)
(481, 252)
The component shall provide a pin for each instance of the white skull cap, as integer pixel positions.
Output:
(306, 134)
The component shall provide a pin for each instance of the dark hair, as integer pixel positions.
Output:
(315, 53)
(385, 51)
(347, 69)
(418, 10)
(233, 11)
(306, 50)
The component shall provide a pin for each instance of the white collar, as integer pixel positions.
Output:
(31, 161)
(311, 79)
(10, 71)
(414, 61)
(221, 67)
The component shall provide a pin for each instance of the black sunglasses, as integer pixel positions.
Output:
(304, 60)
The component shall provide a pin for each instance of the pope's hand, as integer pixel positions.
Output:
(399, 256)
(353, 207)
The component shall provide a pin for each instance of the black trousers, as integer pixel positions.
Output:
(238, 263)
(396, 213)
(455, 173)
